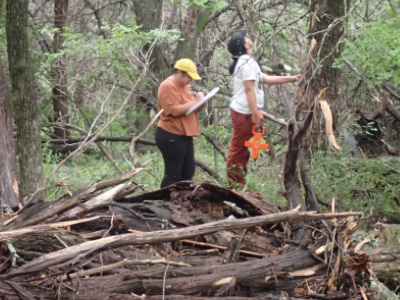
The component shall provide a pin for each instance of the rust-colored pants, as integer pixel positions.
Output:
(238, 157)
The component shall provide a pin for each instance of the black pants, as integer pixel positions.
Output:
(178, 155)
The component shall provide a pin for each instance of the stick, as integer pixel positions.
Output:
(122, 264)
(6, 235)
(245, 252)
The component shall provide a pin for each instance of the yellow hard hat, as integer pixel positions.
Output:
(188, 66)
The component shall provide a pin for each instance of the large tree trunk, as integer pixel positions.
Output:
(193, 24)
(326, 30)
(24, 98)
(148, 16)
(8, 163)
(60, 93)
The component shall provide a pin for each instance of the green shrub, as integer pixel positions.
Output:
(370, 185)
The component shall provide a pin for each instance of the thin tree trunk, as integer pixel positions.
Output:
(60, 94)
(27, 117)
(149, 16)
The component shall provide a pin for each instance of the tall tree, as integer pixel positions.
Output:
(24, 98)
(60, 93)
(8, 163)
(148, 16)
(326, 29)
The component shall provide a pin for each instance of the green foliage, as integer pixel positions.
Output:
(222, 135)
(370, 185)
(376, 51)
(204, 4)
(101, 65)
(108, 55)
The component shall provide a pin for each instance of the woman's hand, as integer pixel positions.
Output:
(199, 96)
(296, 77)
(181, 109)
(280, 79)
(257, 118)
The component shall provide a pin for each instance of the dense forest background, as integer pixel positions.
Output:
(79, 82)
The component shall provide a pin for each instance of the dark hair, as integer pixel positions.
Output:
(236, 48)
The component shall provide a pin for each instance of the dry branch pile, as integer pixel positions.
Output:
(186, 241)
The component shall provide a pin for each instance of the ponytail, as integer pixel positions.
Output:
(232, 66)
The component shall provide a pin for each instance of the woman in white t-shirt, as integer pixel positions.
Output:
(247, 100)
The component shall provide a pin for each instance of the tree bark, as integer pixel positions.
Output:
(27, 117)
(207, 280)
(60, 93)
(193, 24)
(9, 190)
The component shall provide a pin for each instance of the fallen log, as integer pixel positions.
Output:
(73, 254)
(257, 275)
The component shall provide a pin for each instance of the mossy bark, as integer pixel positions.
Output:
(25, 102)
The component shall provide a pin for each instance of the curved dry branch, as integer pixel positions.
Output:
(86, 144)
(132, 144)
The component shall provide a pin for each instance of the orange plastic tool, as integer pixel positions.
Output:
(257, 143)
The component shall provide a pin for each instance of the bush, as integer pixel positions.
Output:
(370, 185)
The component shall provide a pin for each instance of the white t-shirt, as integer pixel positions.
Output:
(246, 69)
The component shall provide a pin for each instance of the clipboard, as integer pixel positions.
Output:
(204, 100)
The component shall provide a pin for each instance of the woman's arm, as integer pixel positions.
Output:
(279, 79)
(181, 109)
(251, 99)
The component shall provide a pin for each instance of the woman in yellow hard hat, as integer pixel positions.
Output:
(175, 130)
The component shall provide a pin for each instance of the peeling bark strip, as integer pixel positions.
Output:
(75, 253)
(326, 110)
